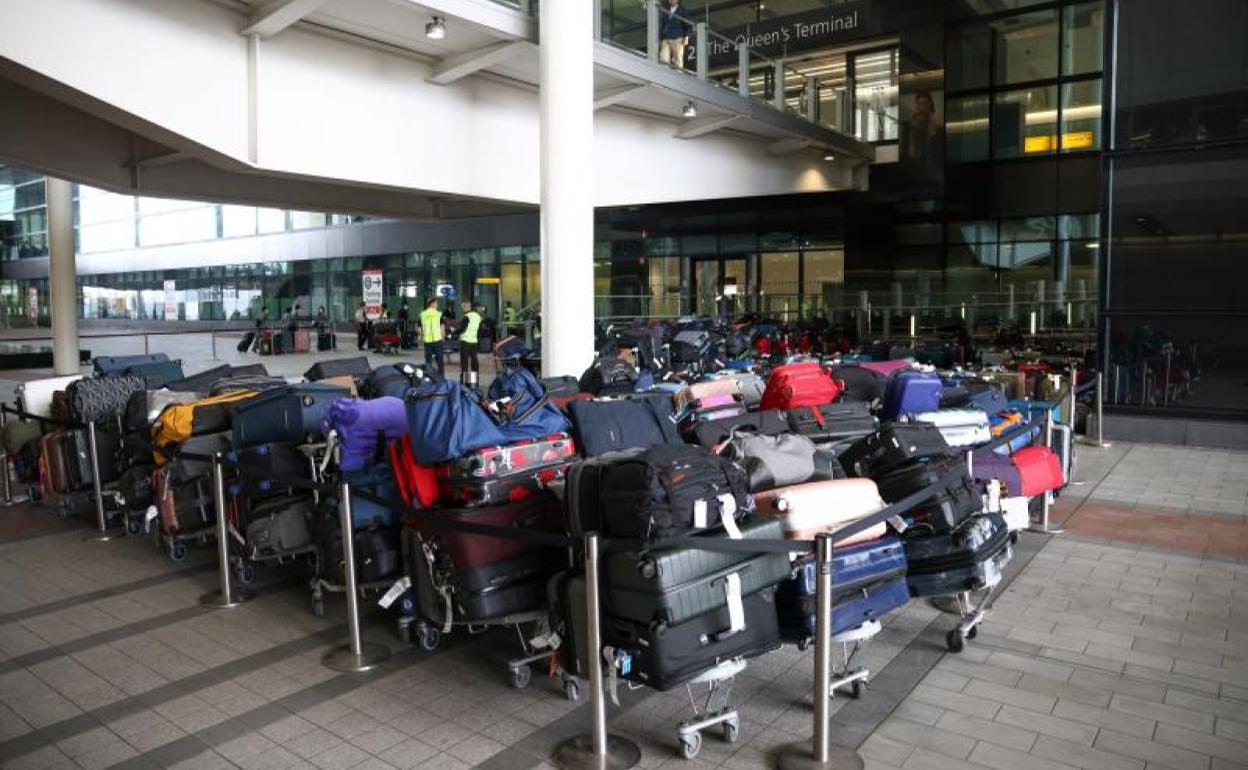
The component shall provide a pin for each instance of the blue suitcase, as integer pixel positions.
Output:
(909, 391)
(796, 614)
(990, 400)
(378, 481)
(268, 469)
(157, 374)
(291, 414)
(1022, 437)
(1034, 411)
(106, 365)
(853, 567)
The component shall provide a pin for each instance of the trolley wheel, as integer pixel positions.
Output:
(246, 574)
(430, 638)
(690, 745)
(732, 731)
(521, 676)
(855, 689)
(803, 645)
(318, 607)
(177, 551)
(953, 640)
(572, 690)
(972, 632)
(134, 526)
(405, 633)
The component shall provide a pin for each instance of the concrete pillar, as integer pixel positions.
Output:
(62, 277)
(567, 196)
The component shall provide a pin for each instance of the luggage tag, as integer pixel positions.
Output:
(736, 609)
(149, 517)
(331, 441)
(389, 597)
(727, 507)
(898, 524)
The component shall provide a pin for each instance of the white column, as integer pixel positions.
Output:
(62, 277)
(567, 115)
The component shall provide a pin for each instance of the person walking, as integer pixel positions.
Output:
(674, 31)
(431, 334)
(361, 326)
(469, 342)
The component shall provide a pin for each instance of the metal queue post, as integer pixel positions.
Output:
(599, 749)
(1099, 442)
(820, 753)
(355, 656)
(103, 534)
(227, 597)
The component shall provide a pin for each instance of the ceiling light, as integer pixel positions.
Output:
(829, 157)
(690, 110)
(436, 29)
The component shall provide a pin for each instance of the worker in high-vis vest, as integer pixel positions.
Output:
(469, 342)
(431, 333)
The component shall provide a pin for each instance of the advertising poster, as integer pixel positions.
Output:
(372, 292)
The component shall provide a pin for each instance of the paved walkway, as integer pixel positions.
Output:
(1113, 646)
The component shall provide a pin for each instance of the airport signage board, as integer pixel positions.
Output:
(797, 32)
(32, 303)
(372, 292)
(171, 300)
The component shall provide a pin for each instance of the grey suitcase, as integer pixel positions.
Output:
(671, 586)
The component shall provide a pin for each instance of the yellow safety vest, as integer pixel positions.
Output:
(470, 331)
(431, 324)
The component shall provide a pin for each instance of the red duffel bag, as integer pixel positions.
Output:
(797, 385)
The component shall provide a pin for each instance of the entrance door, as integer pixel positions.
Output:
(720, 286)
(706, 286)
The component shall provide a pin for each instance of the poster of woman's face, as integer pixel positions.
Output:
(924, 128)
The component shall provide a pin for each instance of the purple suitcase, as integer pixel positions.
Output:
(992, 466)
(365, 427)
(908, 392)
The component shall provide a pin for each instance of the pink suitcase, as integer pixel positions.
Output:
(700, 394)
(823, 506)
(886, 368)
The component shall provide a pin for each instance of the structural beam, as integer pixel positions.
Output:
(62, 277)
(788, 146)
(273, 17)
(696, 127)
(462, 65)
(612, 96)
(567, 160)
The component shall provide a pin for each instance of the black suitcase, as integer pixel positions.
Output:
(970, 558)
(666, 657)
(268, 468)
(200, 383)
(561, 387)
(110, 365)
(673, 585)
(831, 423)
(663, 491)
(859, 384)
(326, 341)
(341, 367)
(712, 433)
(248, 340)
(378, 555)
(962, 497)
(609, 426)
(892, 446)
(279, 527)
(483, 593)
(79, 447)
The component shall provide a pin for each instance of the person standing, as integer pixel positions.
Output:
(431, 334)
(509, 319)
(674, 31)
(469, 342)
(361, 326)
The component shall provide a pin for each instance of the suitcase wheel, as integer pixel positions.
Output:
(953, 640)
(177, 551)
(732, 729)
(134, 526)
(405, 633)
(246, 574)
(521, 676)
(429, 637)
(572, 689)
(691, 744)
(318, 607)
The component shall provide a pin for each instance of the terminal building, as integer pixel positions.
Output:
(1050, 192)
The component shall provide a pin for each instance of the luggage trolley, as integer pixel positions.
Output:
(714, 710)
(852, 643)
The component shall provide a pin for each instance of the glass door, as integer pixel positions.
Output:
(736, 288)
(706, 286)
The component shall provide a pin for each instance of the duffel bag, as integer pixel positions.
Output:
(518, 403)
(802, 384)
(670, 491)
(609, 426)
(417, 484)
(712, 433)
(279, 527)
(446, 421)
(780, 461)
(708, 393)
(893, 446)
(350, 367)
(364, 428)
(393, 380)
(101, 399)
(860, 383)
(178, 422)
(608, 374)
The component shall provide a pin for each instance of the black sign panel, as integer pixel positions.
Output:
(775, 38)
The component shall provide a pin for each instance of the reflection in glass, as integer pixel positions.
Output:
(967, 55)
(875, 95)
(966, 129)
(1024, 122)
(1026, 47)
(1083, 45)
(1081, 116)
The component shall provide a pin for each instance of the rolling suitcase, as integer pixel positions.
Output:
(960, 499)
(854, 568)
(796, 385)
(891, 447)
(908, 392)
(202, 446)
(376, 481)
(54, 459)
(266, 468)
(707, 393)
(971, 558)
(712, 433)
(245, 344)
(156, 374)
(392, 380)
(1039, 471)
(78, 449)
(668, 656)
(199, 383)
(495, 488)
(184, 501)
(833, 423)
(609, 426)
(109, 365)
(278, 527)
(959, 427)
(266, 344)
(673, 585)
(101, 399)
(326, 341)
(291, 414)
(860, 383)
(751, 385)
(303, 341)
(796, 611)
(351, 367)
(823, 506)
(458, 551)
(378, 553)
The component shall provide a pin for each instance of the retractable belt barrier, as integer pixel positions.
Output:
(22, 414)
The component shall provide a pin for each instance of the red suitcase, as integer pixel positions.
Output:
(1039, 469)
(418, 484)
(494, 490)
(467, 551)
(520, 458)
(794, 385)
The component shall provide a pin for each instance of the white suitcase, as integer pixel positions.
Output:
(823, 506)
(36, 395)
(960, 427)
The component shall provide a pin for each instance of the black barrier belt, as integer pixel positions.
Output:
(42, 420)
(1086, 387)
(173, 451)
(429, 516)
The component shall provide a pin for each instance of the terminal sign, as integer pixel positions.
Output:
(797, 32)
(372, 294)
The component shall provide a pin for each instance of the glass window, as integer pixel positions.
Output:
(110, 236)
(102, 206)
(186, 226)
(1081, 116)
(875, 95)
(968, 53)
(1083, 44)
(272, 220)
(302, 220)
(238, 220)
(966, 129)
(1026, 47)
(1024, 122)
